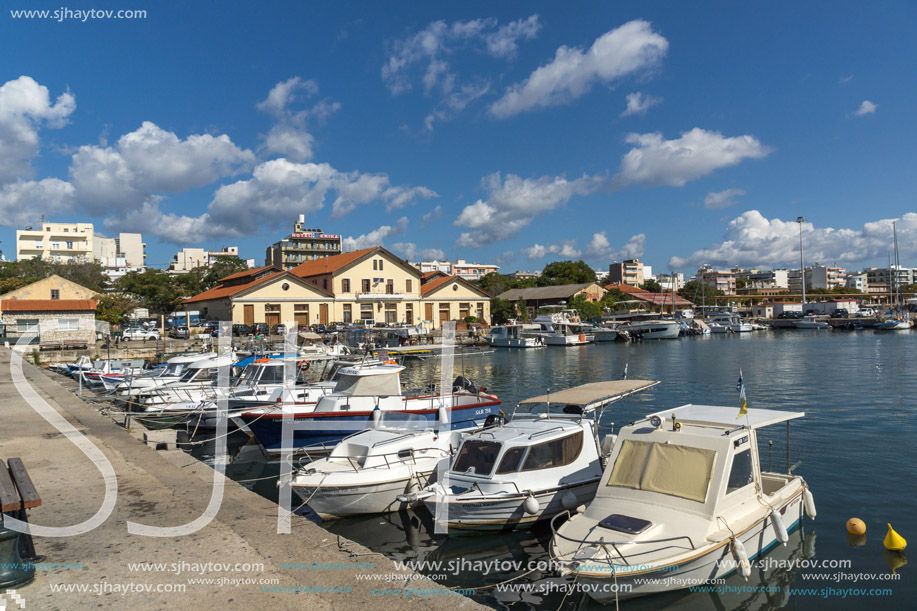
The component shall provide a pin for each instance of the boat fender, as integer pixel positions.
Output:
(608, 444)
(809, 502)
(442, 414)
(893, 541)
(568, 500)
(183, 440)
(779, 527)
(377, 416)
(531, 505)
(741, 556)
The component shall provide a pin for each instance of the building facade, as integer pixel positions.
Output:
(189, 259)
(304, 244)
(367, 286)
(58, 322)
(52, 288)
(629, 271)
(824, 277)
(65, 242)
(723, 280)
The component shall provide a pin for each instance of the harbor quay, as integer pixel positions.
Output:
(237, 559)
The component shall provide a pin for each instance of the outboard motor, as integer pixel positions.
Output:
(463, 383)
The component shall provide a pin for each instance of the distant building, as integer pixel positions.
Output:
(189, 259)
(883, 275)
(461, 268)
(558, 295)
(520, 275)
(629, 271)
(59, 322)
(824, 277)
(766, 279)
(304, 244)
(856, 281)
(654, 301)
(65, 242)
(670, 282)
(723, 280)
(52, 288)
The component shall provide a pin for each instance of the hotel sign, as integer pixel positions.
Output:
(326, 236)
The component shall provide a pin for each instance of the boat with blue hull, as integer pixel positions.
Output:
(358, 401)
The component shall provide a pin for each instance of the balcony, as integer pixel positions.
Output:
(380, 296)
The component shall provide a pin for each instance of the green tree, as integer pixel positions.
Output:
(651, 286)
(27, 271)
(585, 308)
(115, 309)
(501, 310)
(566, 272)
(155, 290)
(493, 283)
(697, 292)
(522, 310)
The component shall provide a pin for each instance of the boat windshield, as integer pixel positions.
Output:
(477, 455)
(385, 385)
(399, 420)
(681, 471)
(173, 369)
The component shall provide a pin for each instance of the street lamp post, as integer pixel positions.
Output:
(802, 264)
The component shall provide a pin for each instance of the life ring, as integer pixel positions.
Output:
(391, 362)
(303, 365)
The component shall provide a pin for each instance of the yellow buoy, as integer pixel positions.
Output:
(894, 541)
(856, 526)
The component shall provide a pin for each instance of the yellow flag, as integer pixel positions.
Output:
(743, 404)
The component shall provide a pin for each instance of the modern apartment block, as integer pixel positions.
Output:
(461, 268)
(304, 244)
(63, 242)
(629, 271)
(189, 259)
(723, 280)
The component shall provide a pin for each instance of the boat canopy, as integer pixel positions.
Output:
(720, 416)
(594, 394)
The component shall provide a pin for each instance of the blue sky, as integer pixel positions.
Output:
(515, 133)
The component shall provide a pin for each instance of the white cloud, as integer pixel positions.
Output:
(431, 216)
(426, 56)
(638, 104)
(375, 237)
(290, 137)
(845, 79)
(410, 252)
(866, 108)
(151, 160)
(508, 256)
(722, 199)
(23, 202)
(628, 49)
(502, 43)
(514, 202)
(24, 105)
(599, 249)
(566, 249)
(696, 153)
(753, 240)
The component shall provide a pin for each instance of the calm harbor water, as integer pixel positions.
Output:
(855, 445)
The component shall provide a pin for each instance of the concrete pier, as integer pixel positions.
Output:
(239, 551)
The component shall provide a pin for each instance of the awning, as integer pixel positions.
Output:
(309, 335)
(594, 394)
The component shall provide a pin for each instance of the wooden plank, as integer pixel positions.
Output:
(9, 496)
(27, 491)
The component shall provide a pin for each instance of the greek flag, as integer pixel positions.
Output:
(743, 404)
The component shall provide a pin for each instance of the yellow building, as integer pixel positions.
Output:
(369, 286)
(53, 287)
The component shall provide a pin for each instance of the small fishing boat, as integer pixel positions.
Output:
(367, 471)
(360, 397)
(563, 329)
(532, 468)
(683, 501)
(811, 322)
(893, 324)
(728, 323)
(514, 335)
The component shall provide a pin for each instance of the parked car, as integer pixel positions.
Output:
(240, 330)
(840, 313)
(260, 328)
(789, 315)
(320, 329)
(140, 333)
(866, 312)
(180, 332)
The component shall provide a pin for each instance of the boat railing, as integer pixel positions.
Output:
(403, 456)
(475, 485)
(614, 544)
(545, 432)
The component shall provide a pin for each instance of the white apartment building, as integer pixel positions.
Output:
(767, 279)
(64, 242)
(189, 259)
(824, 277)
(857, 281)
(461, 268)
(671, 282)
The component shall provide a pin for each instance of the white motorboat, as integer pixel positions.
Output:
(367, 471)
(811, 322)
(563, 329)
(533, 467)
(652, 329)
(893, 324)
(515, 335)
(683, 501)
(729, 323)
(173, 371)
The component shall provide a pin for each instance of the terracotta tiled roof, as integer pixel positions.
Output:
(664, 299)
(48, 305)
(328, 265)
(434, 284)
(220, 291)
(246, 272)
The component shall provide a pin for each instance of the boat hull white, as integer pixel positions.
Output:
(476, 512)
(332, 501)
(715, 563)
